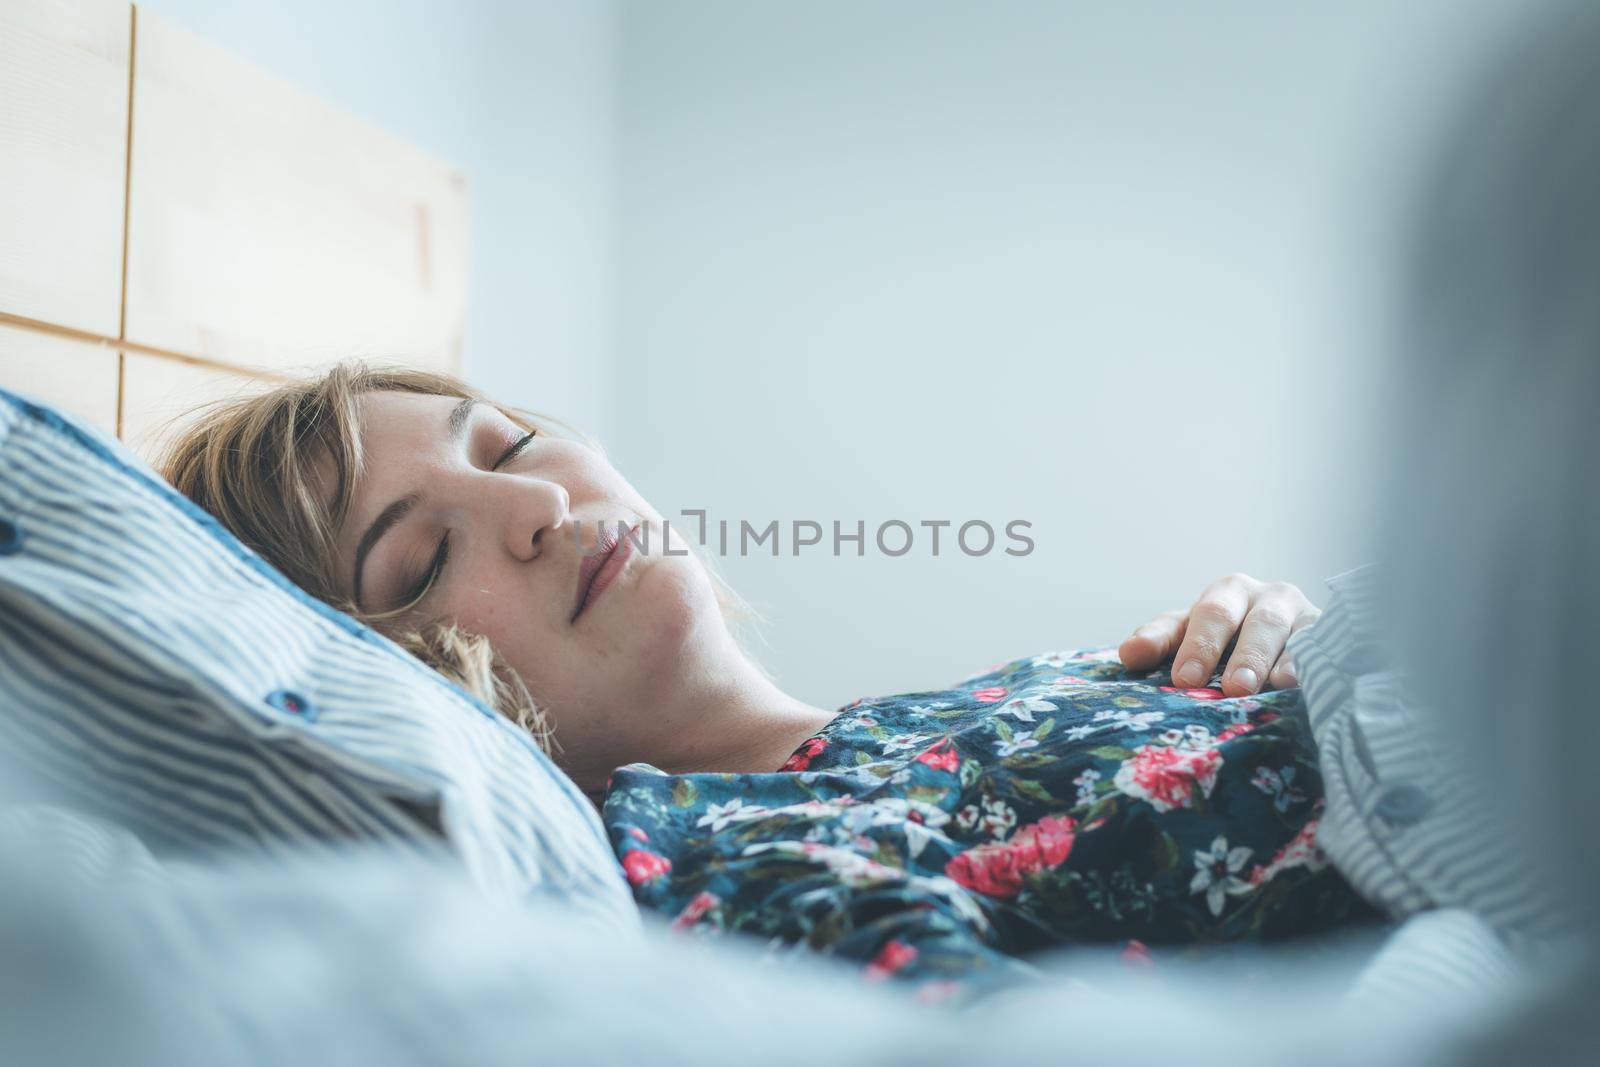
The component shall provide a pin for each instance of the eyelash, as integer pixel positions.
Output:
(442, 555)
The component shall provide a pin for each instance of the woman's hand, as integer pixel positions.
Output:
(1256, 617)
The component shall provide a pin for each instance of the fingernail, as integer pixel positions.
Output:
(1246, 679)
(1148, 633)
(1191, 673)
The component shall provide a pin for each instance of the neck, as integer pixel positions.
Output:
(725, 717)
(746, 726)
(753, 727)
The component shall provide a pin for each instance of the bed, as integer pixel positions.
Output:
(326, 851)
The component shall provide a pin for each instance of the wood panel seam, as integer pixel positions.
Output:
(89, 337)
(127, 207)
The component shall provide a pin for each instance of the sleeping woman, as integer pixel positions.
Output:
(1162, 793)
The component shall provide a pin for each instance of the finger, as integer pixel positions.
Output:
(1263, 637)
(1213, 621)
(1283, 674)
(1153, 643)
(1261, 642)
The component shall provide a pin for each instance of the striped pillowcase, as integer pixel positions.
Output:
(168, 679)
(1404, 821)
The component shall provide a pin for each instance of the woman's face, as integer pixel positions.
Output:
(440, 471)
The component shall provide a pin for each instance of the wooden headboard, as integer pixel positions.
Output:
(177, 224)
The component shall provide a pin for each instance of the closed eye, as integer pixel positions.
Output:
(441, 555)
(515, 450)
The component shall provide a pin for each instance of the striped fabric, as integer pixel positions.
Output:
(88, 852)
(1404, 820)
(1437, 957)
(167, 679)
(1441, 983)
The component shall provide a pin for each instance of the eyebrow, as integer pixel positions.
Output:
(390, 516)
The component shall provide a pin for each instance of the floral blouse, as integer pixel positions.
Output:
(1055, 800)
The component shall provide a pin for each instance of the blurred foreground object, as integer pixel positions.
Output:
(1493, 519)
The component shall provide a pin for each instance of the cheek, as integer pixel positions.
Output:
(678, 606)
(478, 602)
(581, 679)
(485, 605)
(561, 671)
(637, 656)
(588, 477)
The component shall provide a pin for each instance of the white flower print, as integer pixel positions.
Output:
(1192, 736)
(1024, 707)
(719, 815)
(903, 743)
(1000, 819)
(1086, 783)
(1078, 733)
(920, 831)
(1055, 660)
(891, 811)
(1013, 746)
(850, 866)
(1217, 874)
(919, 820)
(1068, 681)
(1279, 785)
(967, 817)
(1132, 720)
(857, 871)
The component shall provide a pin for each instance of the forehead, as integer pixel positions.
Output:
(392, 428)
(397, 429)
(387, 415)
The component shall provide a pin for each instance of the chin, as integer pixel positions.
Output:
(674, 610)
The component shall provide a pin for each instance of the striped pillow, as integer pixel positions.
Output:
(1406, 820)
(175, 683)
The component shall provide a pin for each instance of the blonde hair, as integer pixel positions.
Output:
(262, 465)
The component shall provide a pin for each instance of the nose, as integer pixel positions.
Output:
(533, 511)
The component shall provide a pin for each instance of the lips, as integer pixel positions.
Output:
(597, 570)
